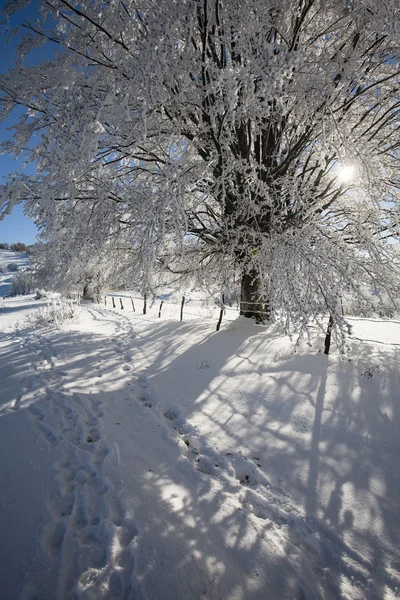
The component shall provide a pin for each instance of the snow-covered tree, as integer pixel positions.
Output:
(257, 138)
(83, 262)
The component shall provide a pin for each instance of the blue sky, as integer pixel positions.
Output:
(16, 227)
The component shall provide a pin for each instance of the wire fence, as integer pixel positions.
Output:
(185, 307)
(182, 308)
(193, 309)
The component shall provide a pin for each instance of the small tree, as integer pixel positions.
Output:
(4, 246)
(19, 247)
(67, 261)
(22, 283)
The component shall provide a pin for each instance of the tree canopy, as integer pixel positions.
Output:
(225, 140)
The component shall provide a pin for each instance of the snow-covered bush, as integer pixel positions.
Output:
(19, 247)
(41, 294)
(57, 311)
(21, 284)
(12, 267)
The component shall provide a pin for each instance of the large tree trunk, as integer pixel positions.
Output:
(91, 292)
(253, 303)
(86, 295)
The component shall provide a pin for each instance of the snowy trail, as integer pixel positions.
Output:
(88, 530)
(87, 533)
(162, 484)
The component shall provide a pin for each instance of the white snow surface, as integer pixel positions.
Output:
(150, 459)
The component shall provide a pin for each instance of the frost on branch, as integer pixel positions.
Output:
(253, 141)
(12, 6)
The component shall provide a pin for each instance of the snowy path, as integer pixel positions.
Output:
(86, 530)
(173, 463)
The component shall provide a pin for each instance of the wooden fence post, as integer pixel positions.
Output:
(159, 312)
(221, 313)
(113, 301)
(133, 304)
(328, 335)
(105, 300)
(122, 306)
(144, 304)
(182, 305)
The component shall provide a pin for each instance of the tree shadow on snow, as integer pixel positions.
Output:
(318, 434)
(325, 431)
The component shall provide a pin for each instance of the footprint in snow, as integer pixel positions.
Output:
(36, 413)
(48, 433)
(53, 537)
(95, 552)
(145, 398)
(145, 395)
(143, 381)
(93, 436)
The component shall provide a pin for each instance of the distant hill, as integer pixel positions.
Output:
(8, 257)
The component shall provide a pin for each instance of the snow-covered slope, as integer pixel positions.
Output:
(20, 259)
(156, 460)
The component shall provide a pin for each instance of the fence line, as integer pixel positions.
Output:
(196, 304)
(186, 306)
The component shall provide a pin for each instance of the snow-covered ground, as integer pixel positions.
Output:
(20, 259)
(149, 459)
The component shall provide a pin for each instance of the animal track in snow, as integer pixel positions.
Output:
(316, 544)
(257, 495)
(145, 394)
(36, 412)
(82, 528)
(87, 530)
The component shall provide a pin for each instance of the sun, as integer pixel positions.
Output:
(346, 173)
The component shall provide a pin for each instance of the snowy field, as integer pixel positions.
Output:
(20, 259)
(148, 459)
